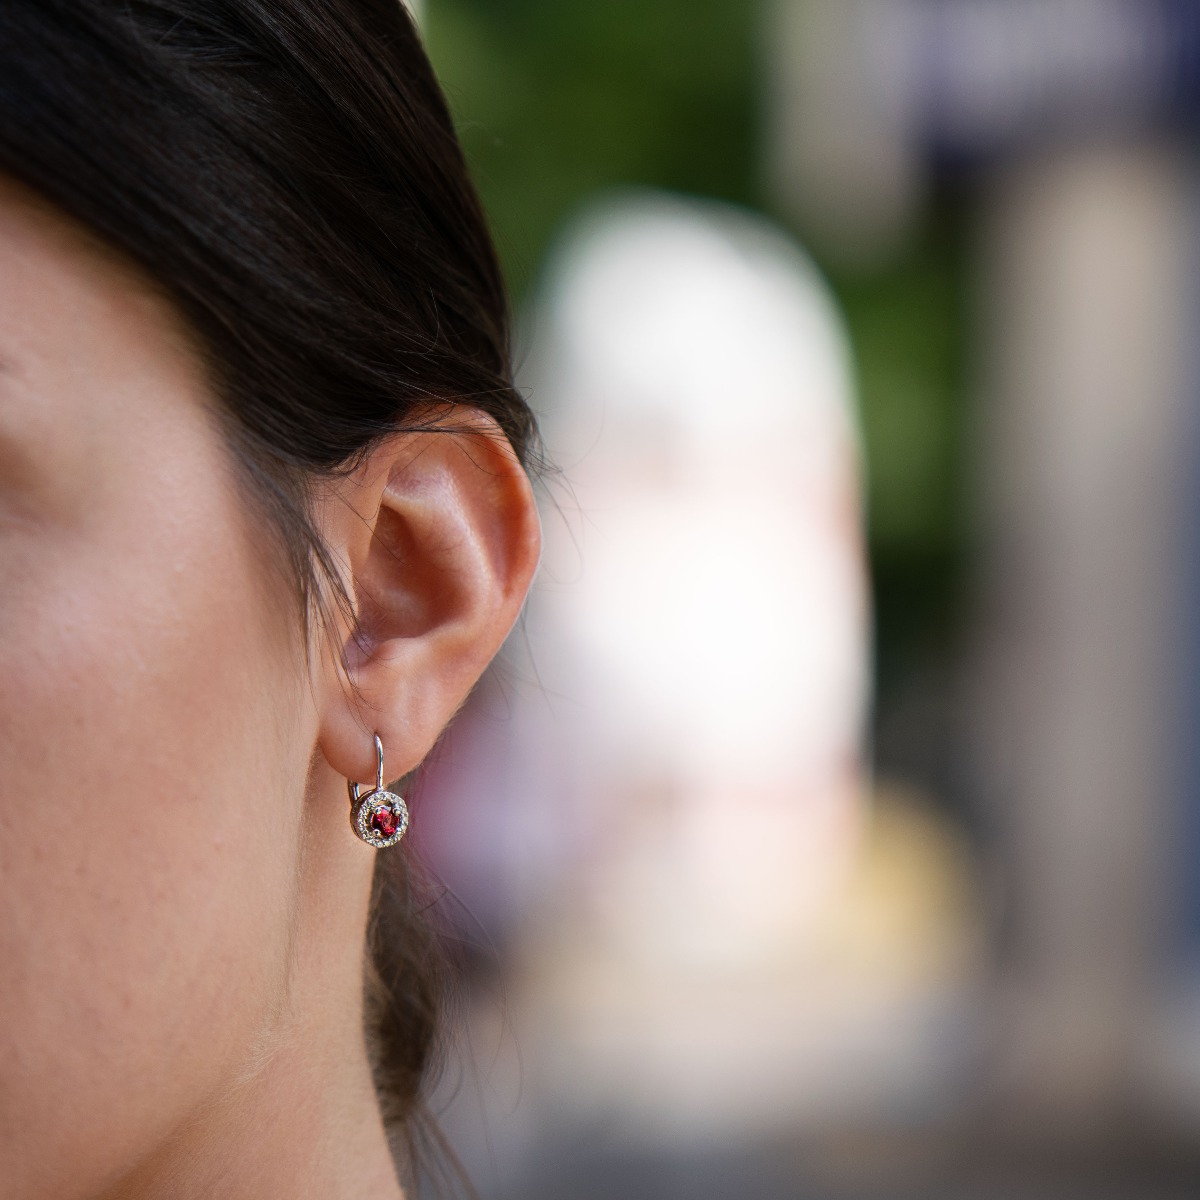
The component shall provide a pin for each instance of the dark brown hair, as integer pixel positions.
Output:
(288, 172)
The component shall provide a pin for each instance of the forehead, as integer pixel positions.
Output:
(98, 375)
(30, 221)
(70, 304)
(56, 273)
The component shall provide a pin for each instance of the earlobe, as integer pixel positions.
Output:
(440, 533)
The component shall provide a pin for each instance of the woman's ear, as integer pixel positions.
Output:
(439, 535)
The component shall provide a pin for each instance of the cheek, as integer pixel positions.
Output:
(150, 695)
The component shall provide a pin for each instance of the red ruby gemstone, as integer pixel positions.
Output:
(385, 821)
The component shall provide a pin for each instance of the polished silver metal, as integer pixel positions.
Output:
(354, 787)
(370, 815)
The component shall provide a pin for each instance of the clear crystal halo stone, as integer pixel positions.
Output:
(380, 818)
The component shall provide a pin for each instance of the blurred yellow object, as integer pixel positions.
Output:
(866, 1013)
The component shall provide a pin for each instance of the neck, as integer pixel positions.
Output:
(304, 1124)
(296, 1114)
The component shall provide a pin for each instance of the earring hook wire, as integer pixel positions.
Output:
(354, 788)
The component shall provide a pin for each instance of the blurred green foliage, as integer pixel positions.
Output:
(556, 99)
(908, 328)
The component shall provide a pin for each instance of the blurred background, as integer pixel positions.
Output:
(831, 825)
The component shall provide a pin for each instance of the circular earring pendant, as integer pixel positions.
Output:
(380, 817)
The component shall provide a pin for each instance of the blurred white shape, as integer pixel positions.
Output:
(713, 937)
(696, 377)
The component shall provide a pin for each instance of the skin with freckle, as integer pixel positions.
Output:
(182, 903)
(138, 870)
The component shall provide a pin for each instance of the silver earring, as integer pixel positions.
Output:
(380, 817)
